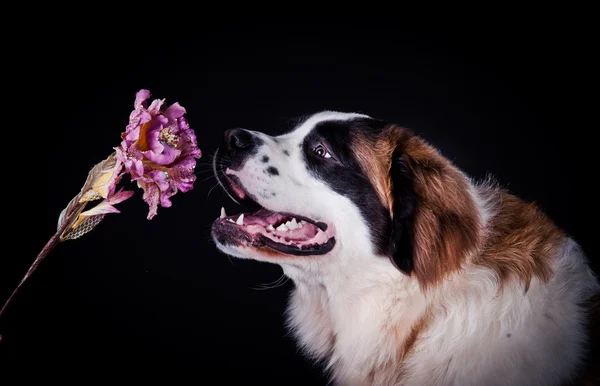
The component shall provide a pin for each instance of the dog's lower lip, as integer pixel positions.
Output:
(319, 249)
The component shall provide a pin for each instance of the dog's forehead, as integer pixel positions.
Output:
(305, 127)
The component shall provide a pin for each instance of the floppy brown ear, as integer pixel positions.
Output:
(435, 222)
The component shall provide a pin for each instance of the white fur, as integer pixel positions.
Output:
(350, 309)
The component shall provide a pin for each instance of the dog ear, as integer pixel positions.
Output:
(403, 208)
(435, 222)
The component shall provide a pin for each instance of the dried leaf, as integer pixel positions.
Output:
(86, 225)
(71, 213)
(105, 181)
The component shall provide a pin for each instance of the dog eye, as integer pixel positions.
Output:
(322, 151)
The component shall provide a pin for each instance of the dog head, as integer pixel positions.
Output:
(344, 189)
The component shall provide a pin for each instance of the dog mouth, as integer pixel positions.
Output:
(288, 233)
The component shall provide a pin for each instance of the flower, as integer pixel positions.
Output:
(158, 150)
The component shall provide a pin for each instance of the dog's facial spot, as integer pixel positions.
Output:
(272, 170)
(286, 153)
(264, 194)
(265, 158)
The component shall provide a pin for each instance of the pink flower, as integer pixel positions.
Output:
(159, 151)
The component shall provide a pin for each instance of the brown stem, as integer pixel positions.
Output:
(53, 242)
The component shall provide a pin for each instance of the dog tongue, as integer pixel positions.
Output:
(263, 218)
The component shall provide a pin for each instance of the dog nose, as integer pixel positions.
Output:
(238, 139)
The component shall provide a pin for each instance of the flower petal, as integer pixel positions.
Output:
(175, 111)
(151, 197)
(140, 98)
(155, 106)
(120, 196)
(101, 209)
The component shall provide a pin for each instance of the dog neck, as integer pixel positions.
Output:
(344, 317)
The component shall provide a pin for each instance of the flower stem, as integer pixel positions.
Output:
(53, 242)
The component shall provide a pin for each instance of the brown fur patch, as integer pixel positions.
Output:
(375, 158)
(269, 252)
(520, 240)
(391, 372)
(446, 220)
(415, 331)
(446, 223)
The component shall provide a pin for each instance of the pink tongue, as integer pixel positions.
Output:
(262, 218)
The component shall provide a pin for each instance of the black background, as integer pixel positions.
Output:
(137, 299)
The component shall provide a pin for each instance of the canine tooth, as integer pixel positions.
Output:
(270, 227)
(223, 214)
(282, 227)
(240, 220)
(294, 223)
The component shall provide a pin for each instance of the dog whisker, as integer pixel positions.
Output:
(213, 188)
(282, 280)
(207, 178)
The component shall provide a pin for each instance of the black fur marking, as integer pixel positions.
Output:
(272, 170)
(405, 201)
(265, 158)
(343, 173)
(286, 153)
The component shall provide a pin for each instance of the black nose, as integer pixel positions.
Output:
(238, 139)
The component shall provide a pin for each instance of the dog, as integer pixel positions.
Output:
(406, 271)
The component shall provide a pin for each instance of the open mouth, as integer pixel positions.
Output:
(287, 233)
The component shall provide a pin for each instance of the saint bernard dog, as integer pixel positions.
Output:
(406, 271)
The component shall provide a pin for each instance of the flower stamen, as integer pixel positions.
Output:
(167, 136)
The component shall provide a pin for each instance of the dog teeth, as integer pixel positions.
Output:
(288, 225)
(240, 220)
(223, 214)
(292, 224)
(230, 220)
